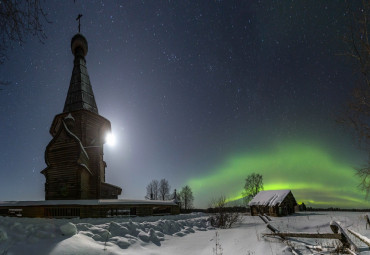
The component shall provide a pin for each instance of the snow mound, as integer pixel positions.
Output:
(122, 242)
(3, 235)
(118, 230)
(88, 234)
(144, 236)
(287, 251)
(154, 238)
(68, 229)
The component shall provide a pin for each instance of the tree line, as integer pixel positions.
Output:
(161, 190)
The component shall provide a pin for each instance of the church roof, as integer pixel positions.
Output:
(80, 94)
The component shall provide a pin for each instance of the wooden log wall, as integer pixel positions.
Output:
(62, 173)
(64, 177)
(87, 211)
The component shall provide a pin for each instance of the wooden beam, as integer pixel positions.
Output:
(346, 241)
(364, 239)
(350, 252)
(306, 235)
(272, 228)
(263, 218)
(267, 217)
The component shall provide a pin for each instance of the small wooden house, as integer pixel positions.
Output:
(273, 203)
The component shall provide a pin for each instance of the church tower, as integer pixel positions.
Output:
(74, 157)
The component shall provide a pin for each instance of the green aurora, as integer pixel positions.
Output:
(315, 178)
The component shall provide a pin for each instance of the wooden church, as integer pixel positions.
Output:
(75, 174)
(74, 157)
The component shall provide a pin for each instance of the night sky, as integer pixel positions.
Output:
(198, 92)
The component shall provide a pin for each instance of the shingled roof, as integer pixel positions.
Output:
(80, 94)
(269, 197)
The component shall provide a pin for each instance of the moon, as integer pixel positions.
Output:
(110, 139)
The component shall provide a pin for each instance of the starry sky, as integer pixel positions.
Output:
(198, 92)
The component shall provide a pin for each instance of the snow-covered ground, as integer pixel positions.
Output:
(179, 234)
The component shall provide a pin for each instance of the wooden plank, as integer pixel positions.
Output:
(263, 218)
(267, 217)
(350, 252)
(346, 241)
(272, 228)
(306, 235)
(359, 236)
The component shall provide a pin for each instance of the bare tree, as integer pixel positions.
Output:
(357, 115)
(253, 185)
(152, 190)
(186, 198)
(222, 218)
(18, 19)
(164, 189)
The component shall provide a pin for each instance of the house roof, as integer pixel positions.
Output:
(269, 197)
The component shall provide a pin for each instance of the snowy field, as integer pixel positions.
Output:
(179, 234)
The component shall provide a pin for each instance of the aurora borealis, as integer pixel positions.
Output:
(315, 178)
(200, 93)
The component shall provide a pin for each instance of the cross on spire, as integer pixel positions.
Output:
(79, 21)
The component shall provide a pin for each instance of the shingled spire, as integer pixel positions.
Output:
(80, 94)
